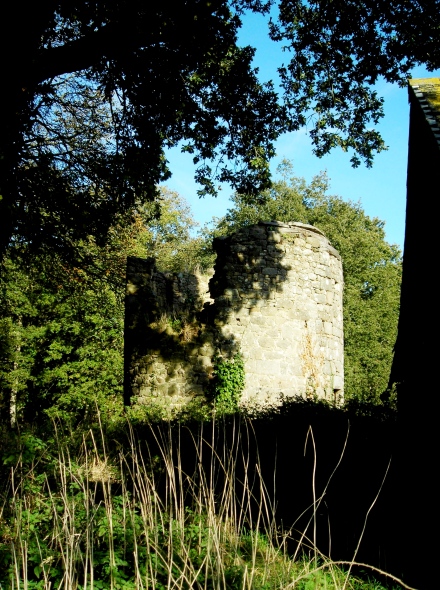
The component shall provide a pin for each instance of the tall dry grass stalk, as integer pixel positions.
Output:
(137, 520)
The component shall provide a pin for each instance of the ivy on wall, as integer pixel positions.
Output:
(228, 383)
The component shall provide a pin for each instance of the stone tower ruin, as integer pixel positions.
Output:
(275, 297)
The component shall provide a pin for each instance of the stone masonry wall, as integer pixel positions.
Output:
(276, 298)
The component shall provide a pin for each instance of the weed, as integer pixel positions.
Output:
(228, 383)
(175, 324)
(131, 521)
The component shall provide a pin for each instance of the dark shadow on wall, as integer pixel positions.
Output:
(152, 298)
(152, 310)
(250, 277)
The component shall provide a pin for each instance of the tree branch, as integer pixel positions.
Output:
(107, 43)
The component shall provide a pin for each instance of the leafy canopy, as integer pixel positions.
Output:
(95, 91)
(338, 50)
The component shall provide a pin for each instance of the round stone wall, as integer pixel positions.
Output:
(278, 299)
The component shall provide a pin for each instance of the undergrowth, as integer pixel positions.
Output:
(84, 518)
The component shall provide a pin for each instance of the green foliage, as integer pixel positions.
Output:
(170, 234)
(84, 132)
(227, 384)
(337, 56)
(67, 324)
(175, 324)
(372, 269)
(197, 410)
(61, 325)
(69, 357)
(91, 518)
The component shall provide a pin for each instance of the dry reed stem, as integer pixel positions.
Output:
(225, 514)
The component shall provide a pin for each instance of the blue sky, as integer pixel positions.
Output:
(381, 189)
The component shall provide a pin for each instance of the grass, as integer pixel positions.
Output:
(92, 519)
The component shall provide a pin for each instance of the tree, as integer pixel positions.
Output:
(146, 76)
(61, 337)
(372, 270)
(61, 322)
(171, 237)
(97, 90)
(339, 50)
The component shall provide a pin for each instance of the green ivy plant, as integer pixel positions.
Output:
(228, 383)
